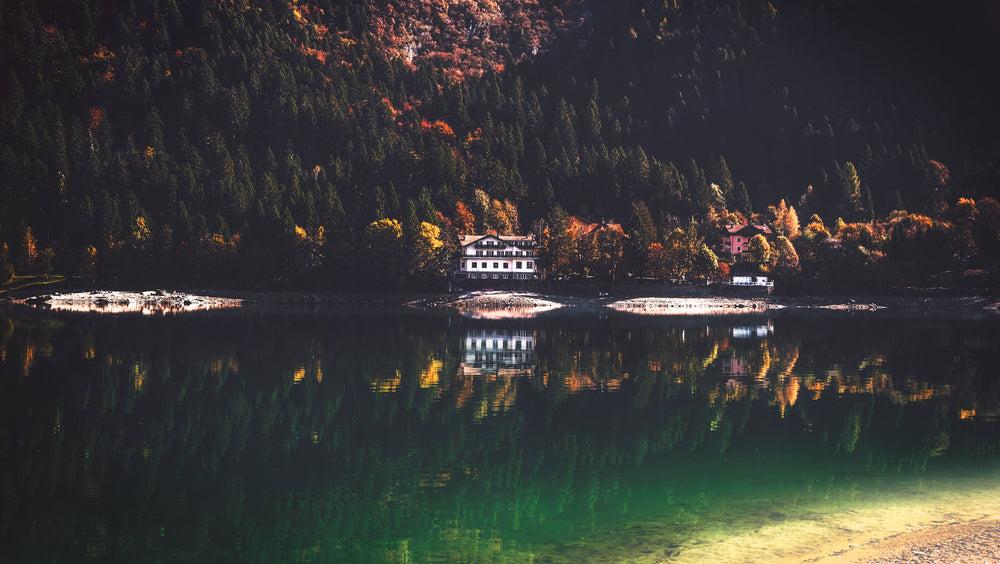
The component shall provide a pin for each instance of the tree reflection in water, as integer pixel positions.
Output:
(395, 437)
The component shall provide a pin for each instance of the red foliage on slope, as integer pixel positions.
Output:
(469, 36)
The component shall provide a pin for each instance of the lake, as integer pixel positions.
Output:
(393, 435)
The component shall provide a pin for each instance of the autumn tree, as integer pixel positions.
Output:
(609, 245)
(850, 189)
(860, 254)
(29, 249)
(759, 252)
(965, 214)
(917, 245)
(585, 255)
(813, 243)
(682, 247)
(706, 263)
(88, 263)
(425, 258)
(784, 258)
(465, 222)
(784, 220)
(556, 247)
(383, 241)
(499, 220)
(657, 264)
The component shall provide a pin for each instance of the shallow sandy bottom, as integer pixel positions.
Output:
(931, 516)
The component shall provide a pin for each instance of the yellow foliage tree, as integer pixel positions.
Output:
(383, 238)
(29, 249)
(426, 246)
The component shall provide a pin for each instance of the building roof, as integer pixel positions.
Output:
(580, 227)
(464, 240)
(747, 230)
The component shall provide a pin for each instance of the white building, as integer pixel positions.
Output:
(760, 281)
(497, 257)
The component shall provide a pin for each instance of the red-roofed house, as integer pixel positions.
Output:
(580, 228)
(736, 240)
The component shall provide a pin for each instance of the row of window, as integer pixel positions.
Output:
(515, 276)
(506, 253)
(499, 344)
(481, 244)
(508, 333)
(517, 265)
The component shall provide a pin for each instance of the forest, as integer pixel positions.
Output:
(347, 145)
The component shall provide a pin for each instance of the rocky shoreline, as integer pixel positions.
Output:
(149, 302)
(969, 542)
(527, 304)
(491, 303)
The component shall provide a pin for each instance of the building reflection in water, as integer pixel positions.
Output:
(748, 331)
(500, 352)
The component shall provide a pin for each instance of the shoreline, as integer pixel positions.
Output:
(975, 540)
(493, 304)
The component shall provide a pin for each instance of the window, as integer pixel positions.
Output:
(518, 265)
(479, 253)
(528, 264)
(473, 265)
(506, 265)
(496, 265)
(464, 265)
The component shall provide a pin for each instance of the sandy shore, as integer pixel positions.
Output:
(974, 541)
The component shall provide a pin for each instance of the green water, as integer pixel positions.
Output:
(398, 436)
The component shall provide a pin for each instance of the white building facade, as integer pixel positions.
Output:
(497, 257)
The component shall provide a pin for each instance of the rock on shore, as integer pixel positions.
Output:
(497, 304)
(690, 306)
(153, 302)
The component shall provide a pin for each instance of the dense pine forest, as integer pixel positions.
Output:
(346, 144)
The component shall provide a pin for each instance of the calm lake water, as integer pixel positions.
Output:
(399, 436)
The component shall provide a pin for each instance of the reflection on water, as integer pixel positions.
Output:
(404, 438)
(503, 352)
